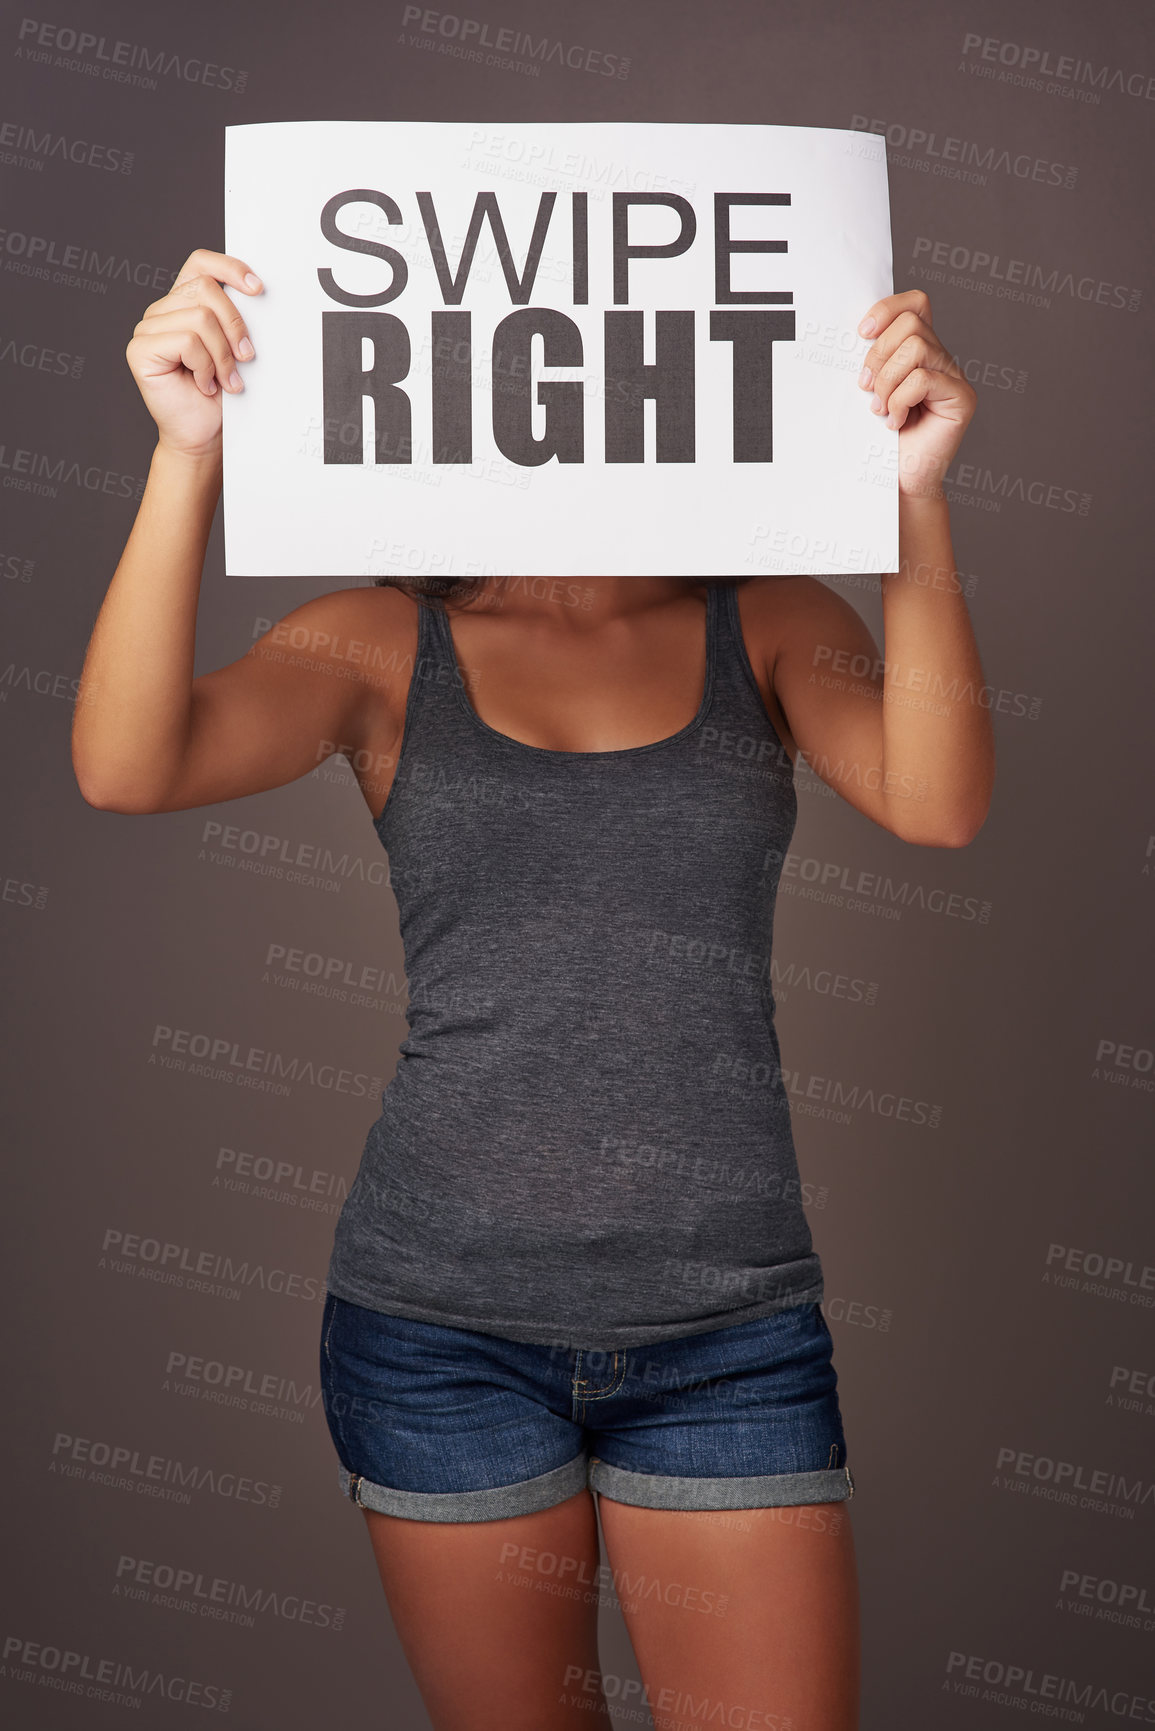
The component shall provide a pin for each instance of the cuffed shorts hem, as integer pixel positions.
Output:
(642, 1490)
(761, 1491)
(500, 1502)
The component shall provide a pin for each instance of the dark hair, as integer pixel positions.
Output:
(441, 592)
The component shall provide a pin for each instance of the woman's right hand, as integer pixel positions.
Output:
(184, 350)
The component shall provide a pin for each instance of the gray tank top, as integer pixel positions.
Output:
(587, 1139)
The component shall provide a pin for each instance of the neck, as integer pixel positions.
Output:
(595, 598)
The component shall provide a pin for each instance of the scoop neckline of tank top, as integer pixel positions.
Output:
(442, 621)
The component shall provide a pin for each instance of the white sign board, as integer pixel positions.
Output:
(558, 350)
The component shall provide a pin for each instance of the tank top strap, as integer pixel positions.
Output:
(429, 698)
(714, 627)
(436, 663)
(734, 675)
(429, 640)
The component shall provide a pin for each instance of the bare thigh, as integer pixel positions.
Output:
(494, 1645)
(754, 1611)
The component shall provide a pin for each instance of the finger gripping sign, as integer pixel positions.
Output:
(596, 348)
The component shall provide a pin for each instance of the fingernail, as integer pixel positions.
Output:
(252, 281)
(245, 349)
(235, 381)
(866, 328)
(865, 377)
(875, 401)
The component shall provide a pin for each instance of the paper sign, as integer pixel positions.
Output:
(557, 350)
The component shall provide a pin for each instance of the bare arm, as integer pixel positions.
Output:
(905, 738)
(130, 725)
(147, 736)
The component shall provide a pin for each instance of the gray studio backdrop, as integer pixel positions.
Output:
(967, 1035)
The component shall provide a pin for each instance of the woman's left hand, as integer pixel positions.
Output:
(915, 386)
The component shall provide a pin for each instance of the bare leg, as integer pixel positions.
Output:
(496, 1642)
(756, 1609)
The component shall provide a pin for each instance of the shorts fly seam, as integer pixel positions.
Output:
(617, 1378)
(583, 1393)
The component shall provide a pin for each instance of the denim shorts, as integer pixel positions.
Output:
(447, 1424)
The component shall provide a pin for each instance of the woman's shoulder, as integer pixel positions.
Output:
(364, 637)
(341, 624)
(778, 610)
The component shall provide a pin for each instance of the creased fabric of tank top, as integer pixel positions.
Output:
(587, 1138)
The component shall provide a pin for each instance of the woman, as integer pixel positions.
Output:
(574, 1257)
